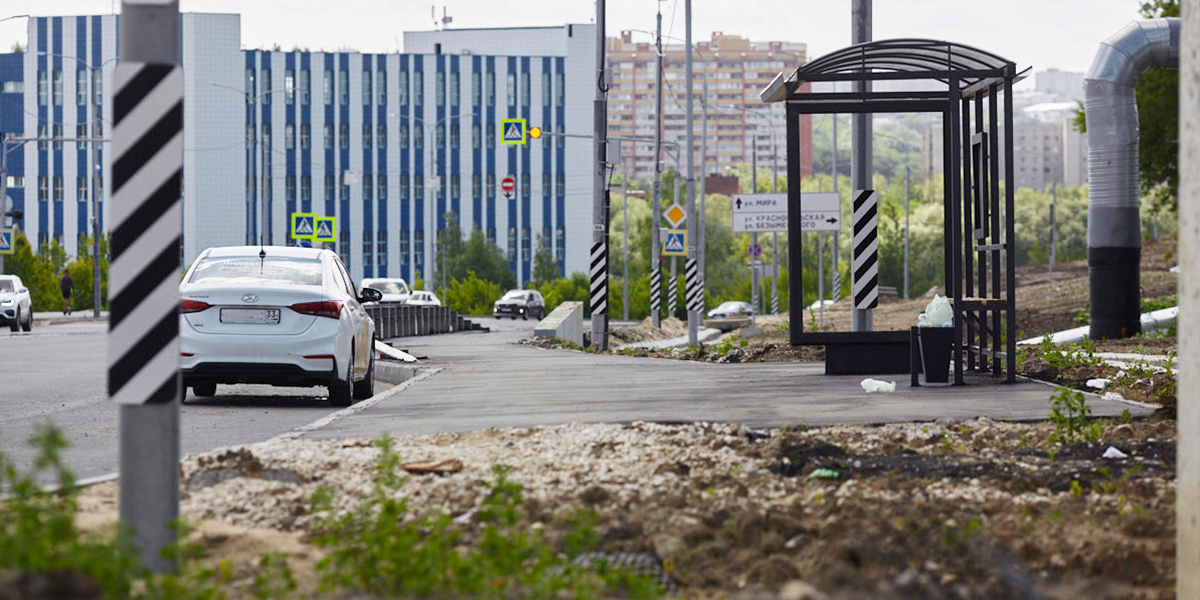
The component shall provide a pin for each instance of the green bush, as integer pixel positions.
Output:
(472, 295)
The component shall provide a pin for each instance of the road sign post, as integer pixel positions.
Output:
(143, 334)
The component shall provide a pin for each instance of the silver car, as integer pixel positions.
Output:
(16, 307)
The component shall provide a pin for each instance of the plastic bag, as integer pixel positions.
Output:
(939, 313)
(875, 385)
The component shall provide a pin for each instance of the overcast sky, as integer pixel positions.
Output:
(1041, 34)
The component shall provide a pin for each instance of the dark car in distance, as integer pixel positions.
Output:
(520, 303)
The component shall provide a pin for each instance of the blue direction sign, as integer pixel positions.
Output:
(7, 241)
(303, 226)
(676, 243)
(512, 131)
(755, 250)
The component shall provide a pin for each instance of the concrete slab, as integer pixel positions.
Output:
(490, 381)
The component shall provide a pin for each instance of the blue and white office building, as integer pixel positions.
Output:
(386, 143)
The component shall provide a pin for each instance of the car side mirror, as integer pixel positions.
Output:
(370, 295)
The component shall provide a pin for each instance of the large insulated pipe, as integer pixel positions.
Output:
(1114, 226)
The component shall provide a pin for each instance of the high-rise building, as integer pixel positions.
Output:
(389, 144)
(733, 70)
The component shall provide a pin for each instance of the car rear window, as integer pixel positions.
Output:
(6, 285)
(245, 269)
(387, 287)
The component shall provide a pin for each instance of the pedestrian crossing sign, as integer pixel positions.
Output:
(512, 131)
(303, 226)
(7, 241)
(325, 228)
(676, 243)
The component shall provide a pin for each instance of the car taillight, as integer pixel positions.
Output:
(325, 308)
(191, 306)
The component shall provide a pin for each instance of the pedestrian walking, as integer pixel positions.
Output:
(67, 285)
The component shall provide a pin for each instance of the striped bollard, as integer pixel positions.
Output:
(656, 295)
(672, 296)
(599, 283)
(691, 276)
(864, 260)
(143, 332)
(774, 297)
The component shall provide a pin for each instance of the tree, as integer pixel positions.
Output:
(545, 268)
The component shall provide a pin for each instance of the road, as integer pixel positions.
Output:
(56, 373)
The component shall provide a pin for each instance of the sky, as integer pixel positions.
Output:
(1041, 34)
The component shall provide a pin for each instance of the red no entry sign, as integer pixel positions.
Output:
(508, 184)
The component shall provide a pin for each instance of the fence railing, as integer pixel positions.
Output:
(402, 320)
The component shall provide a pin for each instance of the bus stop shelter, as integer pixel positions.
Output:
(972, 90)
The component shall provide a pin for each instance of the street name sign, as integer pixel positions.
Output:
(764, 213)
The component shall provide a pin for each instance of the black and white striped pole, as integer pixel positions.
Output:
(143, 333)
(673, 292)
(656, 294)
(599, 254)
(864, 259)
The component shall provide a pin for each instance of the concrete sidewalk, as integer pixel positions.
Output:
(57, 317)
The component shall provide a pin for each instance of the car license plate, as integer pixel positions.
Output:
(255, 316)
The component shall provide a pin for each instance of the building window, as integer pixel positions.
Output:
(512, 243)
(511, 87)
(289, 136)
(366, 88)
(560, 242)
(250, 89)
(404, 136)
(419, 87)
(419, 187)
(305, 188)
(289, 188)
(476, 186)
(404, 248)
(491, 189)
(266, 86)
(344, 247)
(328, 136)
(525, 243)
(524, 89)
(454, 89)
(41, 84)
(475, 135)
(327, 87)
(58, 188)
(289, 86)
(419, 246)
(58, 134)
(545, 184)
(454, 185)
(381, 135)
(381, 187)
(454, 135)
(344, 136)
(381, 248)
(419, 138)
(439, 90)
(403, 85)
(545, 89)
(80, 132)
(58, 88)
(404, 187)
(329, 187)
(43, 188)
(368, 187)
(476, 92)
(80, 87)
(98, 86)
(343, 88)
(491, 137)
(559, 139)
(249, 189)
(381, 85)
(345, 187)
(43, 133)
(491, 236)
(491, 89)
(305, 90)
(560, 183)
(81, 189)
(305, 141)
(559, 90)
(440, 133)
(366, 136)
(525, 184)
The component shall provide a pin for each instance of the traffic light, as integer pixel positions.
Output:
(535, 132)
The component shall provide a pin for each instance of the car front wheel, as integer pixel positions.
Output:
(341, 392)
(13, 325)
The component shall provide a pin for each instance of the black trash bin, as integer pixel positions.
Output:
(935, 345)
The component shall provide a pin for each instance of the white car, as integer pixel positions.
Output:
(277, 315)
(423, 298)
(395, 290)
(16, 308)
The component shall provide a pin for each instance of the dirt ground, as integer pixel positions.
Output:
(950, 509)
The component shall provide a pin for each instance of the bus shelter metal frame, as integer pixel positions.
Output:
(979, 235)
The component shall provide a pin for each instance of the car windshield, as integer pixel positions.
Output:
(730, 304)
(252, 269)
(387, 287)
(6, 285)
(514, 295)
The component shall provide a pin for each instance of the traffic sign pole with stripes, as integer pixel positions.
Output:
(143, 331)
(864, 247)
(673, 291)
(656, 295)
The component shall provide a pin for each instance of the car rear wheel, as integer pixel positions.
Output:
(341, 392)
(366, 388)
(204, 389)
(28, 325)
(13, 325)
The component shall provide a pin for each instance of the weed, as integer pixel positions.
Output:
(568, 344)
(1126, 417)
(1076, 488)
(1112, 484)
(959, 537)
(1069, 413)
(1153, 305)
(725, 346)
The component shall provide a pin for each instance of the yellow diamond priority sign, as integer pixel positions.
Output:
(675, 215)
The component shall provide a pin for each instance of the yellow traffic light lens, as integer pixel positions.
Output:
(535, 132)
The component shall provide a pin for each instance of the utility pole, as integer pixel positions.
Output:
(860, 148)
(702, 218)
(837, 272)
(599, 254)
(692, 286)
(656, 211)
(906, 189)
(754, 262)
(1053, 248)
